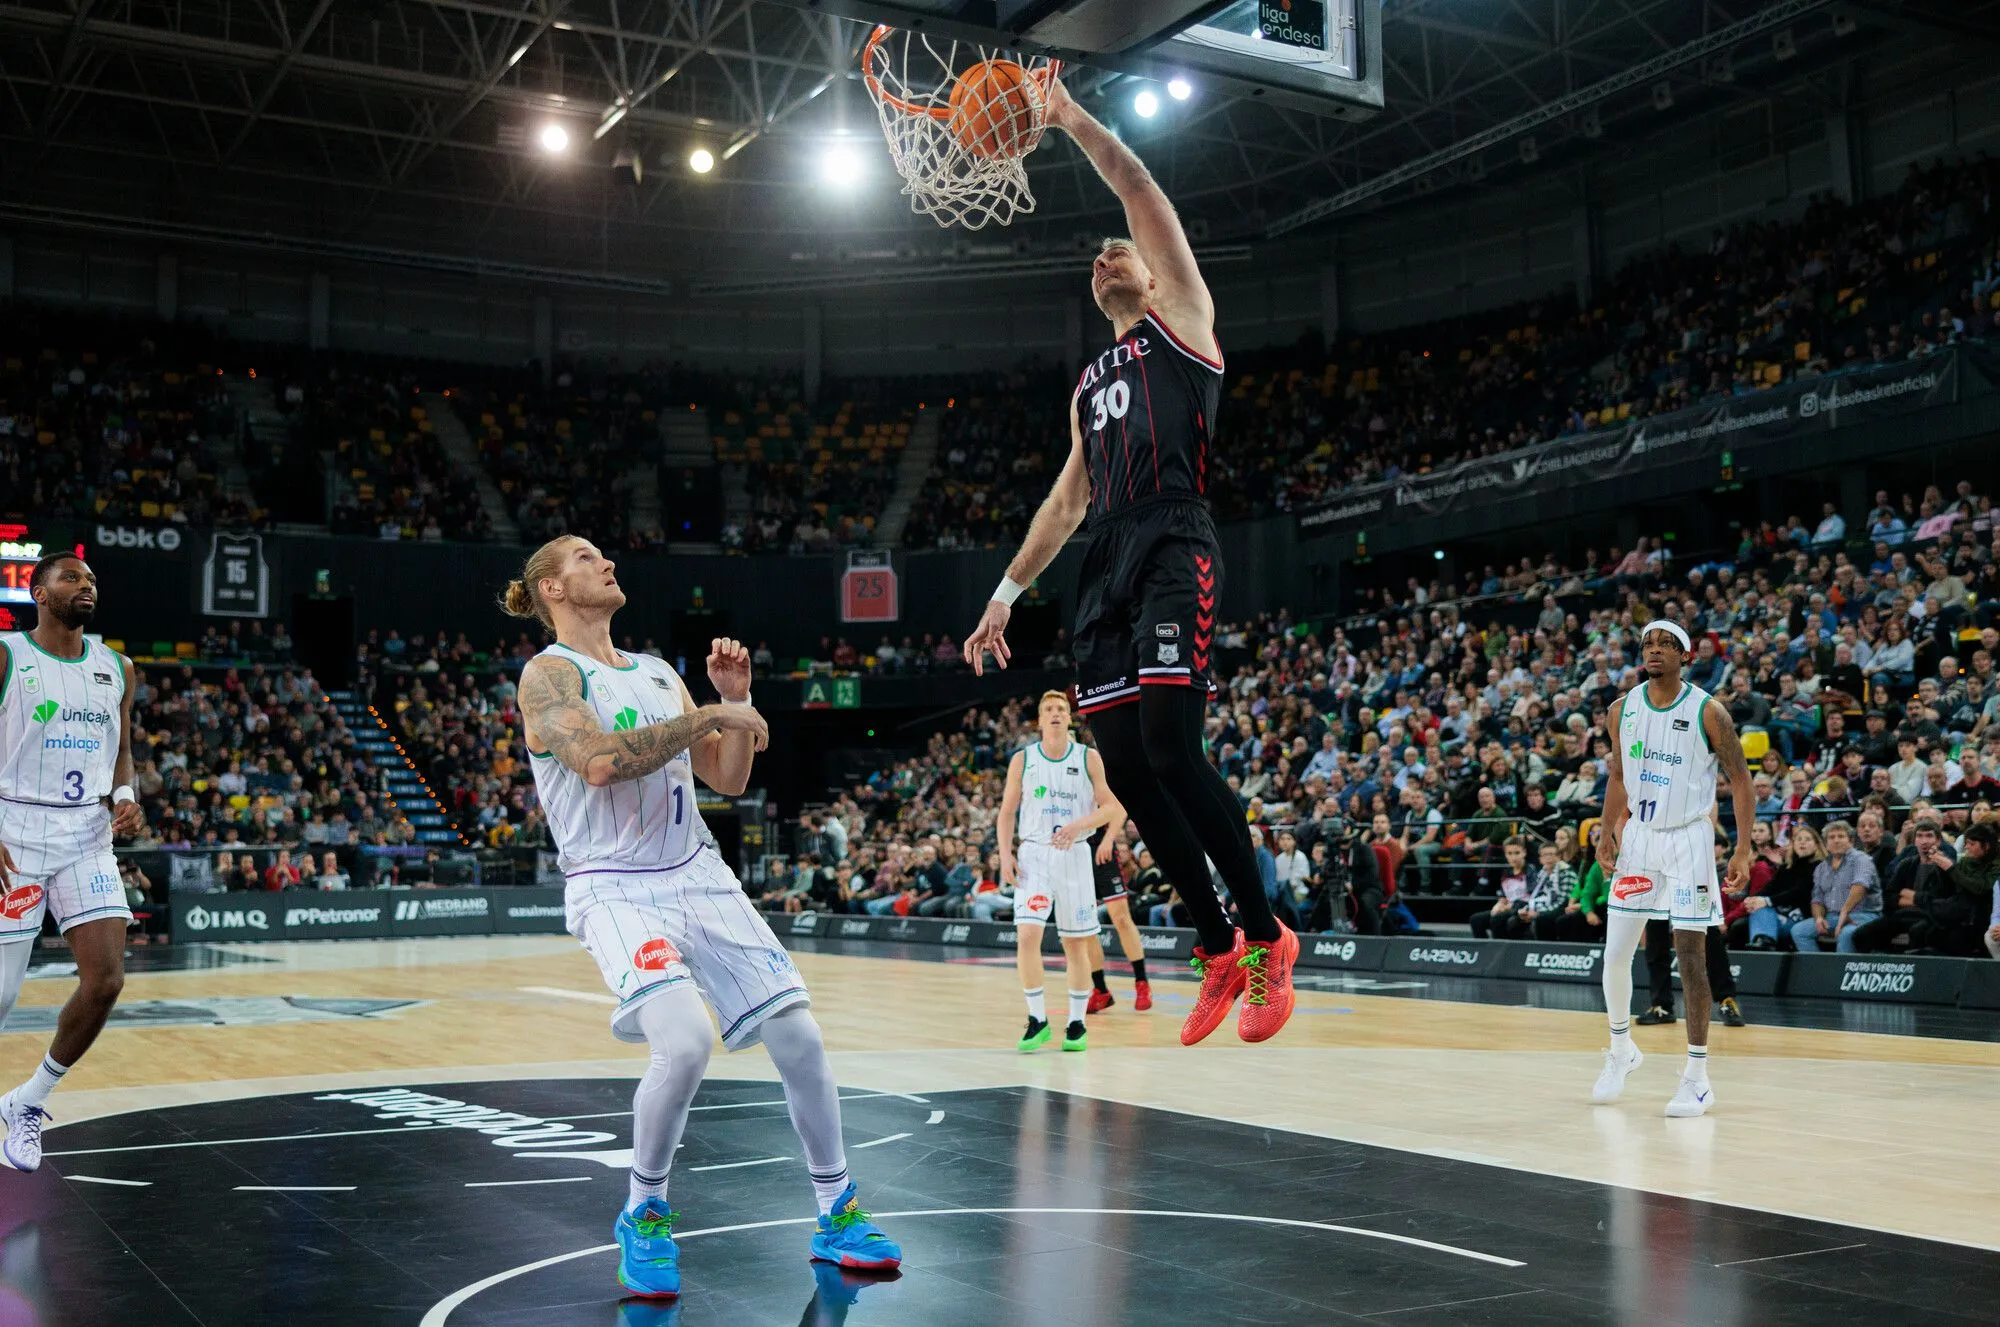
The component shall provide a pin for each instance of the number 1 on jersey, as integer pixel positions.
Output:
(1647, 807)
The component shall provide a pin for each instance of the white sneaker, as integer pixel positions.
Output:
(23, 1146)
(1692, 1099)
(1611, 1083)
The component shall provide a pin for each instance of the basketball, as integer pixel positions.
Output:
(993, 108)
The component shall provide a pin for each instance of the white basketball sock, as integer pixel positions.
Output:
(35, 1092)
(1697, 1065)
(811, 1097)
(1621, 941)
(680, 1036)
(1079, 1005)
(1037, 1007)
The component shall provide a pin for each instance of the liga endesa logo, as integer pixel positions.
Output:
(20, 901)
(1627, 886)
(655, 955)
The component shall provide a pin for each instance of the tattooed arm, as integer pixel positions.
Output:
(1721, 734)
(557, 720)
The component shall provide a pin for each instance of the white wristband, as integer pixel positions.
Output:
(1008, 592)
(123, 793)
(727, 701)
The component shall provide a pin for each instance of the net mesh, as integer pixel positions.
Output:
(959, 123)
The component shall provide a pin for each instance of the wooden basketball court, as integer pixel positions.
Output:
(1876, 1136)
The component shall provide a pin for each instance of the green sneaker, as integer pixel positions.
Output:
(1074, 1038)
(1036, 1037)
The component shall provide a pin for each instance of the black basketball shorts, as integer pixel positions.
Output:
(1104, 875)
(1146, 601)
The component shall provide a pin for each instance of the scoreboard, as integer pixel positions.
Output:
(18, 556)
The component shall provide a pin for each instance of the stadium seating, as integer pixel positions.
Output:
(390, 477)
(819, 476)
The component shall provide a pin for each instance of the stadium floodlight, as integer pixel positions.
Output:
(1147, 103)
(701, 161)
(840, 165)
(1180, 89)
(553, 138)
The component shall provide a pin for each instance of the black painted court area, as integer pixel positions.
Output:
(1162, 1218)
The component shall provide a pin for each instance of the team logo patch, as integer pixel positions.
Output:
(1168, 631)
(20, 901)
(655, 955)
(1628, 885)
(1170, 654)
(104, 678)
(1038, 903)
(1680, 725)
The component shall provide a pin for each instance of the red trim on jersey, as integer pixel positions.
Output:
(1166, 681)
(1106, 705)
(1181, 345)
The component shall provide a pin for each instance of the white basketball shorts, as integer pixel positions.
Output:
(1668, 873)
(63, 865)
(1058, 883)
(653, 929)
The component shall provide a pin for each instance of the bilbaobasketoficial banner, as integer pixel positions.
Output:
(1706, 431)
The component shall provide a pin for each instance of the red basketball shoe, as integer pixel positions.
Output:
(1099, 1002)
(1267, 985)
(1142, 995)
(1222, 978)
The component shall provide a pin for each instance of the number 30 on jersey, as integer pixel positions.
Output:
(1109, 403)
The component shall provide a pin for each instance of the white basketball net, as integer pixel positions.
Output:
(911, 80)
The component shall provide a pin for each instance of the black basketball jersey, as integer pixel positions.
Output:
(1146, 407)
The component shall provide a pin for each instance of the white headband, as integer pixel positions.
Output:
(1671, 628)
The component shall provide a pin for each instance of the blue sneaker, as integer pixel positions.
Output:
(849, 1238)
(649, 1262)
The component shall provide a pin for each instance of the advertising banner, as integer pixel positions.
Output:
(1352, 953)
(440, 911)
(1876, 977)
(1700, 433)
(1757, 971)
(1445, 955)
(528, 911)
(1529, 960)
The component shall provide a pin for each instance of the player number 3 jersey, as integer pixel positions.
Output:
(1054, 792)
(1669, 768)
(58, 723)
(641, 824)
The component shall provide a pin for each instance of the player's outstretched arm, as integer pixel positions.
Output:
(557, 718)
(1721, 732)
(1060, 513)
(1156, 228)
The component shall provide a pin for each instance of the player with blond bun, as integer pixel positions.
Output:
(1055, 797)
(1142, 423)
(616, 743)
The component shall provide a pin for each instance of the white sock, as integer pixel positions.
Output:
(641, 1187)
(1037, 1008)
(35, 1092)
(792, 1039)
(1697, 1065)
(1621, 941)
(1079, 1004)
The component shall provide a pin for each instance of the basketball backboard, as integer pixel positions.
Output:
(1323, 55)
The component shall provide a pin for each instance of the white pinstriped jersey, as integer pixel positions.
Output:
(639, 823)
(59, 723)
(1669, 768)
(1054, 792)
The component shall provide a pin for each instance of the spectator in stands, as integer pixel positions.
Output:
(1788, 896)
(1846, 894)
(1503, 921)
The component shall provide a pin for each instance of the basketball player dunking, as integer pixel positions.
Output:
(1055, 796)
(1658, 847)
(1142, 419)
(617, 743)
(65, 789)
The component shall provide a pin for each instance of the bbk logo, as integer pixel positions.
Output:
(955, 935)
(202, 919)
(165, 540)
(1341, 949)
